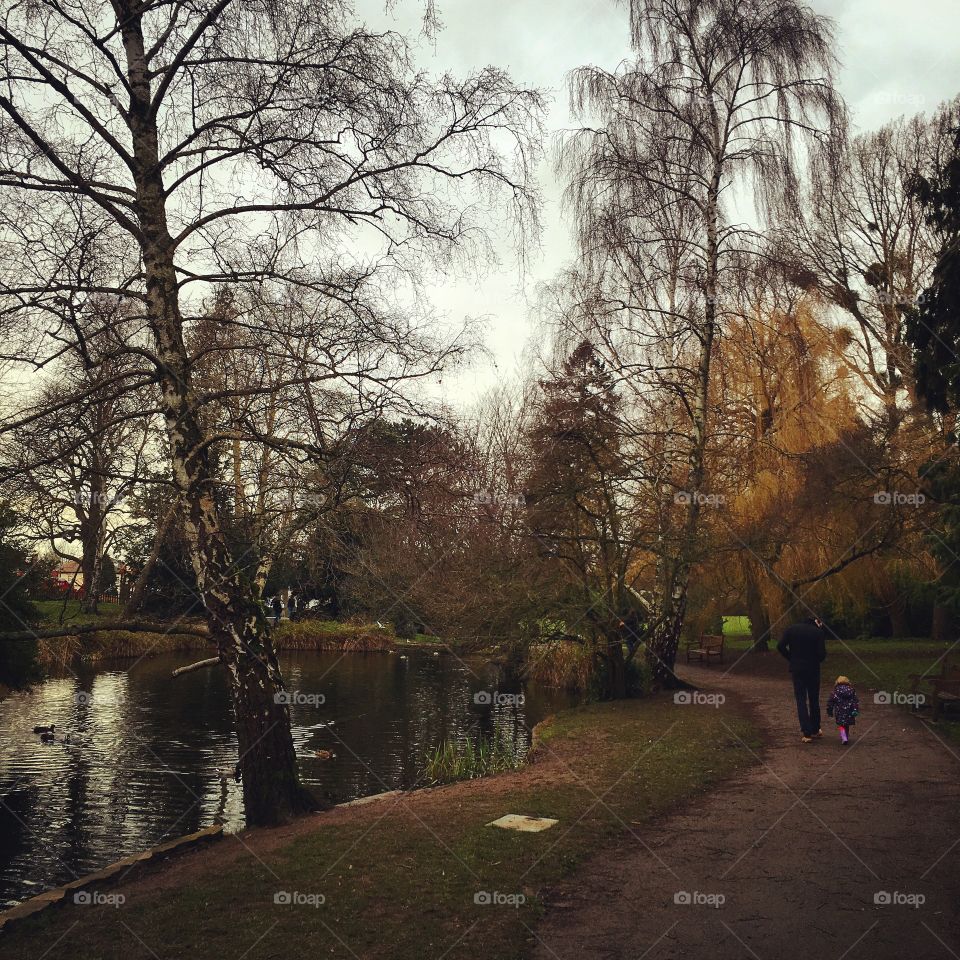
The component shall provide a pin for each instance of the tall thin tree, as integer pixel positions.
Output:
(701, 129)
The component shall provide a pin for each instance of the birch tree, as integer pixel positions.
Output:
(701, 128)
(151, 149)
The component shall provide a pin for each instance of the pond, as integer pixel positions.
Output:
(151, 758)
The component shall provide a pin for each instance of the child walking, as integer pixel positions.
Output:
(843, 706)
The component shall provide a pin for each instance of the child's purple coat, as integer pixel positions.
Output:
(843, 705)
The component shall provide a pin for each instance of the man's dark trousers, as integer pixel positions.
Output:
(806, 688)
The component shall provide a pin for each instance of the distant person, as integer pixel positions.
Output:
(277, 609)
(804, 645)
(844, 707)
(291, 606)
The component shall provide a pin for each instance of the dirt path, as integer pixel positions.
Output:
(797, 850)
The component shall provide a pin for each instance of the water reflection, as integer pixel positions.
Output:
(150, 758)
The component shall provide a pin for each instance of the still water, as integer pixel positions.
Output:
(151, 758)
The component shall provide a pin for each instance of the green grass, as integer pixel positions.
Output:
(886, 646)
(50, 610)
(736, 626)
(400, 883)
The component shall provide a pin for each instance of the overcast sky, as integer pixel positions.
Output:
(897, 58)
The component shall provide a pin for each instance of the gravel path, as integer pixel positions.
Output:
(790, 860)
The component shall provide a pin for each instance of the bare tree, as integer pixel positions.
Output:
(856, 235)
(68, 471)
(714, 104)
(183, 144)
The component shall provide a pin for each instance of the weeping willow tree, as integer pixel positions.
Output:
(796, 461)
(714, 105)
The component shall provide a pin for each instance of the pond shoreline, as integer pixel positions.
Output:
(61, 653)
(425, 852)
(132, 868)
(135, 749)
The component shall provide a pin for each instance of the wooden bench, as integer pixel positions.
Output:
(946, 690)
(706, 646)
(916, 679)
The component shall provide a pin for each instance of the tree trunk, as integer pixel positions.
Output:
(271, 786)
(91, 537)
(92, 533)
(942, 628)
(756, 609)
(899, 621)
(139, 588)
(88, 567)
(615, 682)
(662, 651)
(665, 641)
(894, 602)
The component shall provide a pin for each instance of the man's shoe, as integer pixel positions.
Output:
(806, 739)
(818, 734)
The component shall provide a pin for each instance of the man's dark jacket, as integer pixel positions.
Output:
(803, 644)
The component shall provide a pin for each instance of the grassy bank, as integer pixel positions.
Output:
(408, 878)
(53, 611)
(332, 635)
(61, 652)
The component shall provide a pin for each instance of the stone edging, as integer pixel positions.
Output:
(111, 873)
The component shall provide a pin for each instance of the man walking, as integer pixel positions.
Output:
(804, 646)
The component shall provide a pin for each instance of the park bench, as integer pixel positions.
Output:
(706, 646)
(916, 679)
(946, 690)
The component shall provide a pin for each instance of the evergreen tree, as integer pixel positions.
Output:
(933, 327)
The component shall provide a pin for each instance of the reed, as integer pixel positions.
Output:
(561, 664)
(468, 760)
(324, 635)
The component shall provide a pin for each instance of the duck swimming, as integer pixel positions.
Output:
(47, 737)
(44, 729)
(324, 754)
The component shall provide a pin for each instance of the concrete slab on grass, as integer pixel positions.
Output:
(516, 821)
